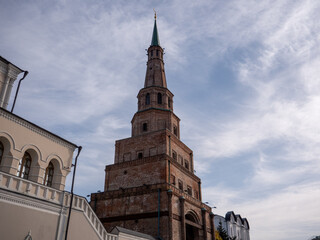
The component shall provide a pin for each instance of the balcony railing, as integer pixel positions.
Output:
(36, 190)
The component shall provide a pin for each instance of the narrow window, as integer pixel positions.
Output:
(196, 194)
(157, 53)
(169, 102)
(140, 155)
(173, 180)
(148, 99)
(151, 53)
(145, 127)
(174, 155)
(180, 160)
(159, 98)
(48, 175)
(1, 151)
(175, 130)
(24, 166)
(189, 190)
(186, 164)
(180, 185)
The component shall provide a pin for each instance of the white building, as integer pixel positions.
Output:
(34, 164)
(235, 225)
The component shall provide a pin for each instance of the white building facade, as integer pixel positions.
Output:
(235, 225)
(34, 164)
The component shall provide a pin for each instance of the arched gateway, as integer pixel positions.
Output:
(192, 226)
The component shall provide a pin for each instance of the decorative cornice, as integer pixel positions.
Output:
(19, 199)
(32, 127)
(136, 162)
(9, 69)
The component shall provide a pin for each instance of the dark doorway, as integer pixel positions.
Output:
(192, 231)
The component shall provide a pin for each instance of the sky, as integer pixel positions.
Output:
(246, 80)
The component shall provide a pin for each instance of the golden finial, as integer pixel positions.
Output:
(155, 14)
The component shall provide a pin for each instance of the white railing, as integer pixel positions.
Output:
(81, 203)
(32, 189)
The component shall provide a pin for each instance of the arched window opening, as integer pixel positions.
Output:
(48, 175)
(192, 232)
(169, 102)
(148, 99)
(145, 127)
(175, 131)
(1, 152)
(151, 53)
(157, 53)
(191, 217)
(24, 166)
(159, 98)
(186, 164)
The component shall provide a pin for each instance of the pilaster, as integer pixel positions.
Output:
(183, 222)
(169, 192)
(204, 223)
(213, 237)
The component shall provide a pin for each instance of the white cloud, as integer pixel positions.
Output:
(87, 63)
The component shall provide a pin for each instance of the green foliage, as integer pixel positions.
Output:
(217, 236)
(223, 233)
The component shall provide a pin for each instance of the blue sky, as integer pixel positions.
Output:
(246, 80)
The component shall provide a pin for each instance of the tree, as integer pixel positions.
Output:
(223, 233)
(316, 238)
(217, 236)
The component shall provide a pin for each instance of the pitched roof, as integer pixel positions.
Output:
(155, 37)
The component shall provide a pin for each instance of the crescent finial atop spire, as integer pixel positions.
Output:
(155, 14)
(155, 37)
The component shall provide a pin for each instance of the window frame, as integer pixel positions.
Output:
(189, 190)
(180, 184)
(147, 100)
(174, 155)
(24, 166)
(140, 154)
(173, 180)
(186, 164)
(145, 127)
(159, 98)
(1, 152)
(48, 177)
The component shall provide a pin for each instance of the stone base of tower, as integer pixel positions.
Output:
(160, 210)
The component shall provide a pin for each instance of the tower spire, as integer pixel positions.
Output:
(155, 37)
(155, 75)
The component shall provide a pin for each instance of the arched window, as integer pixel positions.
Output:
(159, 98)
(24, 166)
(175, 130)
(169, 102)
(145, 127)
(148, 99)
(1, 151)
(48, 175)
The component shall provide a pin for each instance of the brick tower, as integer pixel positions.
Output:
(151, 187)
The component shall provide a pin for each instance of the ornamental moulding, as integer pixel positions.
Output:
(35, 129)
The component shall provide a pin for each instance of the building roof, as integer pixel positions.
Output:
(229, 214)
(155, 37)
(7, 62)
(28, 122)
(118, 229)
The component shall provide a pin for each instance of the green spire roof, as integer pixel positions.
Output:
(155, 37)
